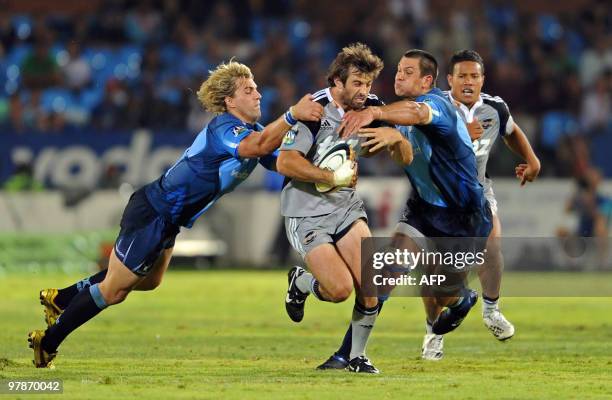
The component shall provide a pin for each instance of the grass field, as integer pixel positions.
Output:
(211, 335)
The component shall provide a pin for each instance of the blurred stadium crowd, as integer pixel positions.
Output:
(106, 66)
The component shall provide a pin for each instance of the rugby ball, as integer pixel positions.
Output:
(332, 160)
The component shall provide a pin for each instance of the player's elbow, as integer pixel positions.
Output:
(267, 142)
(404, 155)
(407, 155)
(266, 147)
(410, 157)
(254, 147)
(283, 163)
(407, 159)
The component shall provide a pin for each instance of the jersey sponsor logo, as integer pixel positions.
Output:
(238, 130)
(289, 138)
(243, 171)
(326, 125)
(487, 123)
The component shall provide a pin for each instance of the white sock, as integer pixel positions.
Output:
(428, 328)
(304, 282)
(307, 283)
(362, 324)
(489, 306)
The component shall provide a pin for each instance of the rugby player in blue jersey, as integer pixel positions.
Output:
(221, 157)
(447, 200)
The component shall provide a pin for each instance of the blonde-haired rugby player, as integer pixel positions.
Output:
(223, 155)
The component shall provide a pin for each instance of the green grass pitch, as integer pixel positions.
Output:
(225, 335)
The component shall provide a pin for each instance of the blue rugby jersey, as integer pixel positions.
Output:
(443, 172)
(207, 170)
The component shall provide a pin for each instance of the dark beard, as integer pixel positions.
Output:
(355, 107)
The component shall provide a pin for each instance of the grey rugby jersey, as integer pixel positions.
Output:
(494, 115)
(313, 139)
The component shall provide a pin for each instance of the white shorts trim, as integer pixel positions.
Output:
(413, 233)
(490, 196)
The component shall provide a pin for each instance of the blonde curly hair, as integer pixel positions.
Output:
(222, 83)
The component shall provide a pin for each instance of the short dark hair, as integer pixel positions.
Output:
(358, 56)
(427, 63)
(465, 55)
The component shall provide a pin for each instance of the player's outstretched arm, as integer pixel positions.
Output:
(404, 112)
(519, 144)
(260, 144)
(294, 165)
(379, 138)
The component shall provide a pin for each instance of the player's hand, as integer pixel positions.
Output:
(355, 175)
(377, 138)
(527, 172)
(475, 129)
(346, 174)
(307, 109)
(354, 120)
(353, 158)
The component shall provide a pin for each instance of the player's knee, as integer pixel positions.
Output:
(369, 302)
(154, 284)
(116, 296)
(149, 284)
(339, 293)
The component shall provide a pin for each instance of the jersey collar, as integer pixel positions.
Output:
(254, 126)
(331, 100)
(467, 112)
